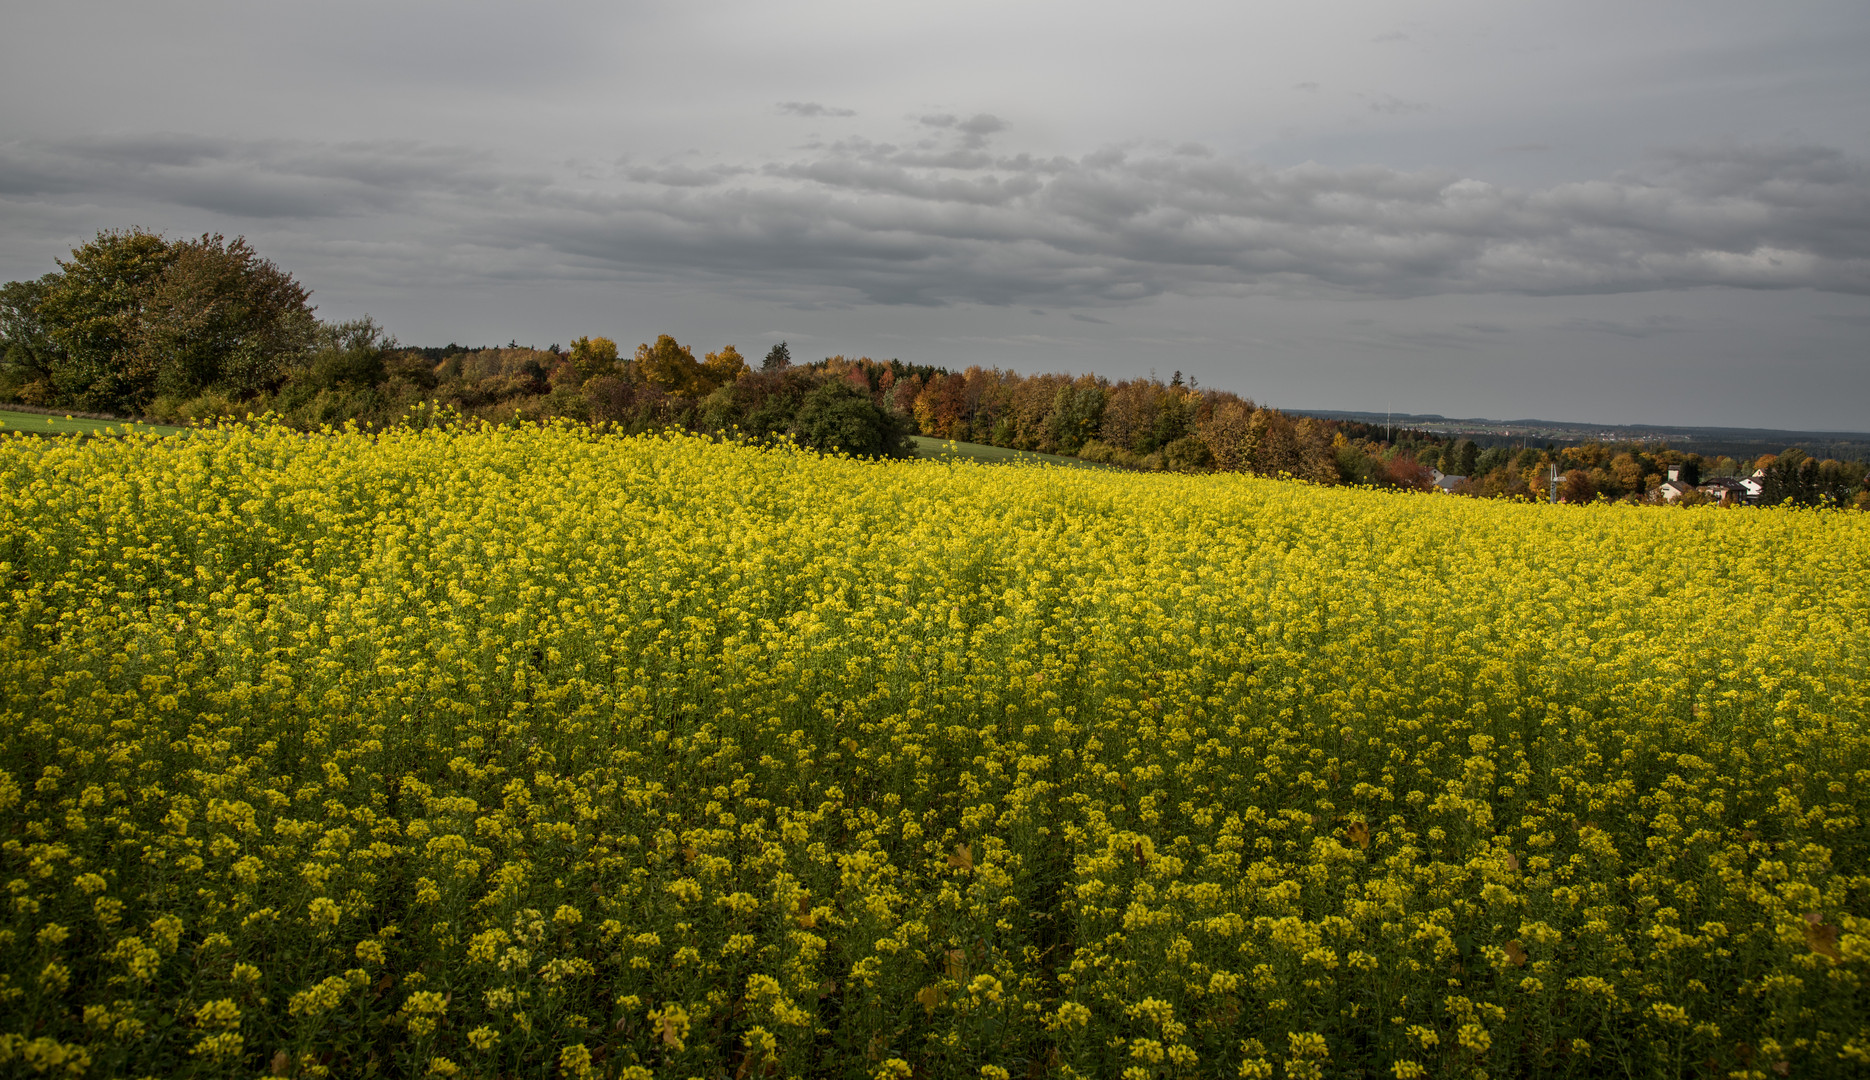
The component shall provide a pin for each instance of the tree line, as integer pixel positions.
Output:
(188, 331)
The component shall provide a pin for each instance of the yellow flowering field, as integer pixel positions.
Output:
(537, 752)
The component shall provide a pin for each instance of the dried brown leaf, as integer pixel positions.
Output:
(1820, 936)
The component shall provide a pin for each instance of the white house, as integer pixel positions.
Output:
(1674, 487)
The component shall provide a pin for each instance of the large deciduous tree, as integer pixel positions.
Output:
(722, 368)
(221, 317)
(131, 316)
(669, 366)
(1077, 413)
(839, 417)
(593, 358)
(27, 352)
(92, 312)
(672, 367)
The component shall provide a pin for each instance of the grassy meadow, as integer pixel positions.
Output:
(538, 753)
(52, 424)
(927, 446)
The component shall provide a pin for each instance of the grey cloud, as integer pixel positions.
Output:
(1081, 317)
(872, 221)
(1450, 340)
(982, 124)
(253, 178)
(1648, 326)
(1525, 148)
(1391, 105)
(684, 175)
(813, 108)
(974, 129)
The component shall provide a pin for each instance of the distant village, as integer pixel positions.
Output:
(1745, 490)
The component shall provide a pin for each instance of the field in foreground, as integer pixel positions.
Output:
(534, 753)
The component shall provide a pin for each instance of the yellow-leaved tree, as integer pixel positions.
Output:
(721, 368)
(673, 368)
(669, 366)
(593, 357)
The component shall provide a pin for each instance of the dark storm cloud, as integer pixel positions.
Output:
(950, 220)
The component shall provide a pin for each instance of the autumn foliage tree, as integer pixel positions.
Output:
(720, 368)
(592, 358)
(671, 367)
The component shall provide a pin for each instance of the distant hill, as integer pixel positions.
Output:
(1707, 441)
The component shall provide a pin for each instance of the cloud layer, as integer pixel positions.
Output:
(950, 215)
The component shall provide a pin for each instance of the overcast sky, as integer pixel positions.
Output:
(1614, 212)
